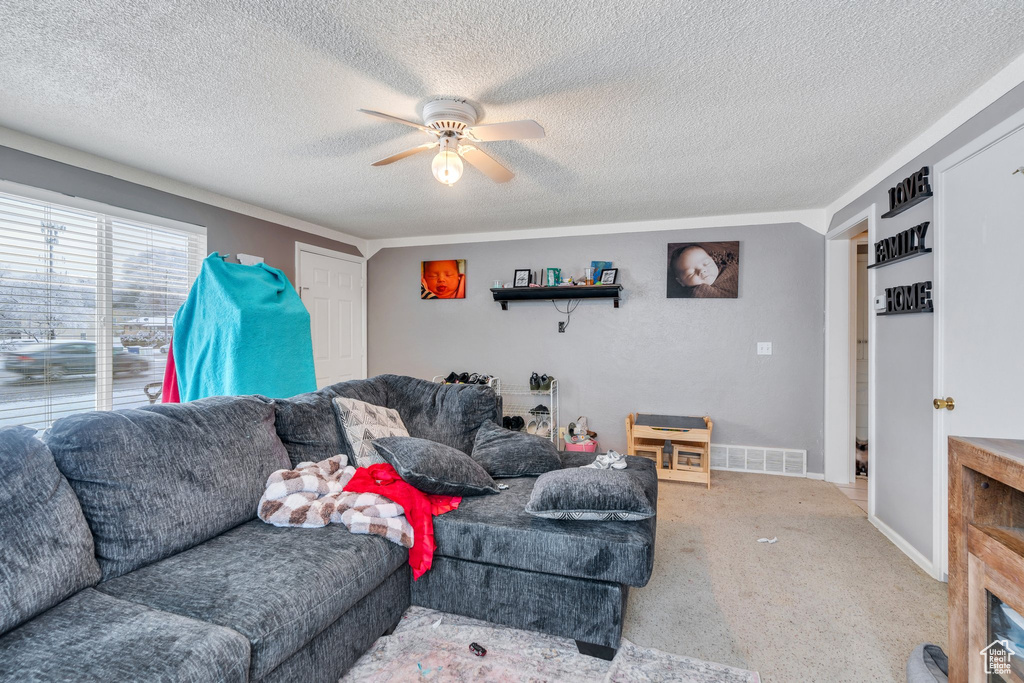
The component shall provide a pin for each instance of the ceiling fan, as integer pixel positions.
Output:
(452, 124)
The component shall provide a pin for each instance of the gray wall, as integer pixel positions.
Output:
(226, 231)
(902, 453)
(674, 356)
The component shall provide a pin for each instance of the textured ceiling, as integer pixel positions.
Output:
(652, 109)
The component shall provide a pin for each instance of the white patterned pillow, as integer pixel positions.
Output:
(363, 422)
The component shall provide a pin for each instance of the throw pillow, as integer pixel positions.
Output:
(434, 467)
(504, 453)
(589, 494)
(363, 422)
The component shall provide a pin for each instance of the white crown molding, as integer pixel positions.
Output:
(990, 91)
(812, 218)
(91, 162)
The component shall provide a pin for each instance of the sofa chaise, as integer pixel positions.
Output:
(131, 549)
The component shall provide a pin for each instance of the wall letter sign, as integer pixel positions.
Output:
(915, 298)
(912, 191)
(901, 246)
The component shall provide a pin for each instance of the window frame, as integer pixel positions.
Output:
(105, 269)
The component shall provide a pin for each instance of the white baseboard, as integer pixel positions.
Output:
(910, 551)
(820, 476)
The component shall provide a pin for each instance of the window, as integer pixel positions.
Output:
(87, 297)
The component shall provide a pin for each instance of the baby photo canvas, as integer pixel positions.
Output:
(443, 279)
(703, 270)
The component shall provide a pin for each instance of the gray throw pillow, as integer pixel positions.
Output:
(582, 493)
(434, 467)
(504, 453)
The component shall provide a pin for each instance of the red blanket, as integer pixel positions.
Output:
(420, 509)
(169, 393)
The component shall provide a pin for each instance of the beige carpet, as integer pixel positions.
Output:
(832, 600)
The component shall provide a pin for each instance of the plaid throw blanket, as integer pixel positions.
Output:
(312, 495)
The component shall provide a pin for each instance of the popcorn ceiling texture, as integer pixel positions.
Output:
(653, 108)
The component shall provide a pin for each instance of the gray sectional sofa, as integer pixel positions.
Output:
(130, 548)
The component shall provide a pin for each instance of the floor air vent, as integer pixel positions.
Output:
(787, 461)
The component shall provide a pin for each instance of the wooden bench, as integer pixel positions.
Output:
(689, 439)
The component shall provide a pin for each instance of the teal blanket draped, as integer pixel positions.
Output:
(242, 330)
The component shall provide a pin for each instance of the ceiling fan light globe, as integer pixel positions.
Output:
(447, 167)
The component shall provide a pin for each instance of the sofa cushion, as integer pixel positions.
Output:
(157, 480)
(505, 453)
(307, 424)
(445, 413)
(95, 637)
(498, 530)
(588, 494)
(434, 467)
(278, 587)
(362, 422)
(47, 552)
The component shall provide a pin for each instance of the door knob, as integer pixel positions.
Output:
(946, 403)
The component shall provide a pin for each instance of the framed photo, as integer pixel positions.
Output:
(703, 270)
(609, 275)
(522, 278)
(443, 279)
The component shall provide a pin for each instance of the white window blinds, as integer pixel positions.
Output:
(87, 299)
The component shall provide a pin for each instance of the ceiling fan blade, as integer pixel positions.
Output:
(395, 119)
(407, 153)
(510, 130)
(485, 164)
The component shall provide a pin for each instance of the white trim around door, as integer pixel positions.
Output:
(840, 377)
(310, 248)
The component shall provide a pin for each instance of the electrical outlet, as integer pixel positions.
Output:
(764, 348)
(561, 327)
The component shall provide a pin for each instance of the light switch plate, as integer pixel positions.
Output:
(764, 348)
(880, 303)
(249, 259)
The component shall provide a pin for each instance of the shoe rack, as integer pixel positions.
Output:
(520, 399)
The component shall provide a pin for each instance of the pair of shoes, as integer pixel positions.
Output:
(540, 383)
(541, 409)
(539, 427)
(466, 378)
(514, 422)
(609, 461)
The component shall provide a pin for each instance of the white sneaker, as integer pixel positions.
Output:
(609, 461)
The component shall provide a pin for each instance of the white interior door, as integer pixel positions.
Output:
(979, 283)
(332, 287)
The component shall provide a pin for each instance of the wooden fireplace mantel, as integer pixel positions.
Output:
(986, 540)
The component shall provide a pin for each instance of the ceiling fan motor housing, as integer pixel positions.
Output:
(449, 115)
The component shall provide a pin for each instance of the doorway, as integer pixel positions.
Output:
(860, 303)
(978, 368)
(332, 285)
(849, 366)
